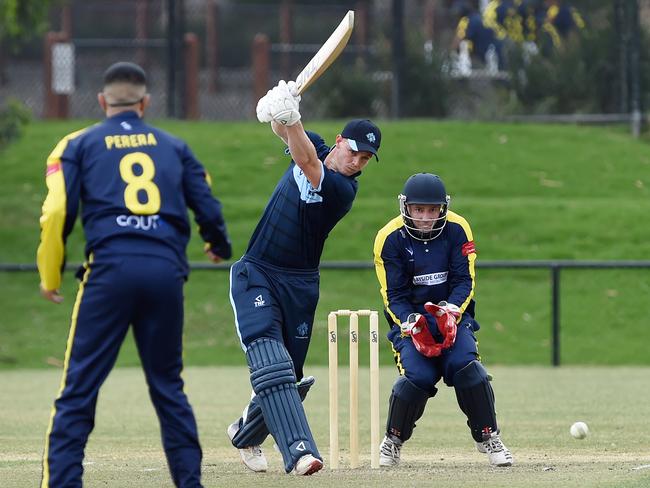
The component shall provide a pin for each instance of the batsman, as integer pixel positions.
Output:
(274, 287)
(424, 260)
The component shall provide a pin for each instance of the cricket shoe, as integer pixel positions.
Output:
(498, 453)
(389, 451)
(307, 465)
(252, 457)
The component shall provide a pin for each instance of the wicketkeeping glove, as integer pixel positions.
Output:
(414, 323)
(417, 327)
(283, 103)
(447, 316)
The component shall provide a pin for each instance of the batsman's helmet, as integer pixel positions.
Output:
(425, 189)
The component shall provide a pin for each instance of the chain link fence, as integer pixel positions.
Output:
(445, 69)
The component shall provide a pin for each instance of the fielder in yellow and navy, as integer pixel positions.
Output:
(134, 183)
(427, 254)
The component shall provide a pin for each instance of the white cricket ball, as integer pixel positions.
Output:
(579, 430)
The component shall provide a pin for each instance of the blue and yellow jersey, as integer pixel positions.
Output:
(134, 183)
(298, 217)
(412, 272)
(471, 29)
(532, 14)
(502, 16)
(564, 19)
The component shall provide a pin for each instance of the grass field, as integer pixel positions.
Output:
(530, 192)
(535, 405)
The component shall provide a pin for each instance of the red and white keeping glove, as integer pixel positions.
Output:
(414, 324)
(447, 316)
(417, 327)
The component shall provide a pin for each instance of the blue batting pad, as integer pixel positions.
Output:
(274, 382)
(253, 430)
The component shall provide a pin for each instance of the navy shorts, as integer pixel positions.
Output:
(276, 303)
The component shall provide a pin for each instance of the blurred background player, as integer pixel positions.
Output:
(274, 287)
(135, 183)
(561, 21)
(482, 40)
(502, 16)
(425, 257)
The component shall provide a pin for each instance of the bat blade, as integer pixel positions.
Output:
(327, 53)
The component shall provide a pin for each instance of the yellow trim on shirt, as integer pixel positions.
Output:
(51, 251)
(380, 239)
(457, 219)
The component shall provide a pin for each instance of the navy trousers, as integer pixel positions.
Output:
(146, 292)
(425, 372)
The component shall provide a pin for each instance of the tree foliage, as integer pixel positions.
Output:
(21, 19)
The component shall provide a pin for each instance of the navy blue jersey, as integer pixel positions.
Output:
(472, 29)
(565, 19)
(413, 272)
(503, 17)
(299, 217)
(136, 183)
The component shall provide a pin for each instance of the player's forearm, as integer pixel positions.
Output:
(303, 152)
(280, 131)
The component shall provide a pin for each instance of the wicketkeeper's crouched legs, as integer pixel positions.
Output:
(274, 382)
(476, 399)
(405, 407)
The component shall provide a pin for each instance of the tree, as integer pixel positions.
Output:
(20, 19)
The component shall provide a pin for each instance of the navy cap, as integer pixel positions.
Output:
(124, 71)
(362, 135)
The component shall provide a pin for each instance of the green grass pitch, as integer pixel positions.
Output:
(535, 405)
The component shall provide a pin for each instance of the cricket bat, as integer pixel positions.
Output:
(326, 54)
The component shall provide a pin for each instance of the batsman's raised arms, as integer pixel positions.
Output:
(326, 54)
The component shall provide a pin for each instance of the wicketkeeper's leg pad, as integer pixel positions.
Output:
(274, 383)
(476, 399)
(405, 407)
(252, 429)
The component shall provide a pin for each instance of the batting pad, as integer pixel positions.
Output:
(476, 399)
(253, 430)
(274, 383)
(405, 407)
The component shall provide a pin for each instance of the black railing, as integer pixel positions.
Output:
(554, 266)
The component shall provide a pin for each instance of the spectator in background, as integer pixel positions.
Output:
(532, 14)
(502, 16)
(565, 18)
(560, 21)
(481, 39)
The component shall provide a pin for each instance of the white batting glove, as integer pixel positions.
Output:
(283, 105)
(262, 110)
(293, 89)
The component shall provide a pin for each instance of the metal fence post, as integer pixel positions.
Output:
(555, 310)
(171, 58)
(191, 98)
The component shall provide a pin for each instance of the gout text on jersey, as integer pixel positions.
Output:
(142, 222)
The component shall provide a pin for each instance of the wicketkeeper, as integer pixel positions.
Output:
(424, 261)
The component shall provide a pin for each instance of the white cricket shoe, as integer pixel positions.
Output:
(498, 453)
(252, 457)
(307, 465)
(389, 451)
